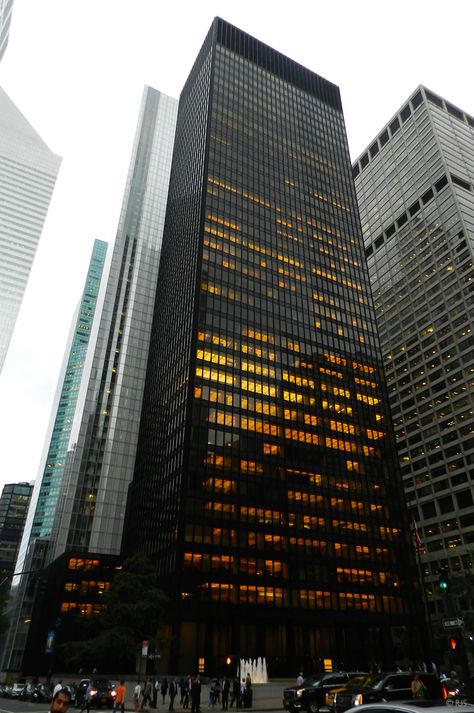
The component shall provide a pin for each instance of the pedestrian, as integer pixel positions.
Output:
(182, 690)
(248, 691)
(212, 694)
(187, 691)
(88, 697)
(60, 701)
(146, 695)
(164, 688)
(156, 685)
(136, 696)
(195, 694)
(225, 693)
(418, 688)
(119, 704)
(173, 690)
(57, 687)
(300, 679)
(235, 697)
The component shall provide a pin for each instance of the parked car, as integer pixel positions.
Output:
(103, 693)
(16, 690)
(311, 696)
(386, 687)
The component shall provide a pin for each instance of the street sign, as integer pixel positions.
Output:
(455, 623)
(145, 645)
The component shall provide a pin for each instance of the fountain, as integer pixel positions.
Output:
(256, 668)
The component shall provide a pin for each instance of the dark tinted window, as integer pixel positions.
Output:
(402, 681)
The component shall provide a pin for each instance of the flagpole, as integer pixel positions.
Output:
(418, 547)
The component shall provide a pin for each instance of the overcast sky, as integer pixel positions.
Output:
(76, 69)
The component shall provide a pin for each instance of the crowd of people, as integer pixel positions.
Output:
(223, 693)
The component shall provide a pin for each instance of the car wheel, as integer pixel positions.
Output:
(313, 707)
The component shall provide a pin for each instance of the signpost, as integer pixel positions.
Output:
(454, 623)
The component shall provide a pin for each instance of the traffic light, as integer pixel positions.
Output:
(453, 644)
(231, 660)
(442, 580)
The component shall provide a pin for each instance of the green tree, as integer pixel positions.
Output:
(134, 611)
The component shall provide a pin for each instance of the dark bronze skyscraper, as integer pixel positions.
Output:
(266, 486)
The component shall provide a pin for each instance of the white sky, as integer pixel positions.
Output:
(76, 69)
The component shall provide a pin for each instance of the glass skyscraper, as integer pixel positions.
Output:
(56, 456)
(266, 486)
(28, 171)
(45, 496)
(415, 185)
(102, 456)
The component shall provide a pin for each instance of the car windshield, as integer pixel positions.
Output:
(371, 681)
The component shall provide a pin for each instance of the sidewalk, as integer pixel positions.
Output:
(266, 697)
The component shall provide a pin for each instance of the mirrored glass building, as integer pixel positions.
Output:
(266, 486)
(103, 440)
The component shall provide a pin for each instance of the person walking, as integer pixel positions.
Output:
(225, 693)
(156, 686)
(57, 687)
(146, 699)
(235, 697)
(300, 679)
(119, 704)
(195, 694)
(212, 694)
(164, 688)
(173, 690)
(88, 697)
(136, 696)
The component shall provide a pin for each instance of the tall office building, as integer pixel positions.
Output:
(45, 496)
(266, 486)
(415, 185)
(53, 470)
(100, 464)
(6, 7)
(28, 171)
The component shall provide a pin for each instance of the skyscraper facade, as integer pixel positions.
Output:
(266, 486)
(28, 171)
(415, 185)
(39, 522)
(56, 457)
(102, 456)
(6, 7)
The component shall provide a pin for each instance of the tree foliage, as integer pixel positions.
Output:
(134, 611)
